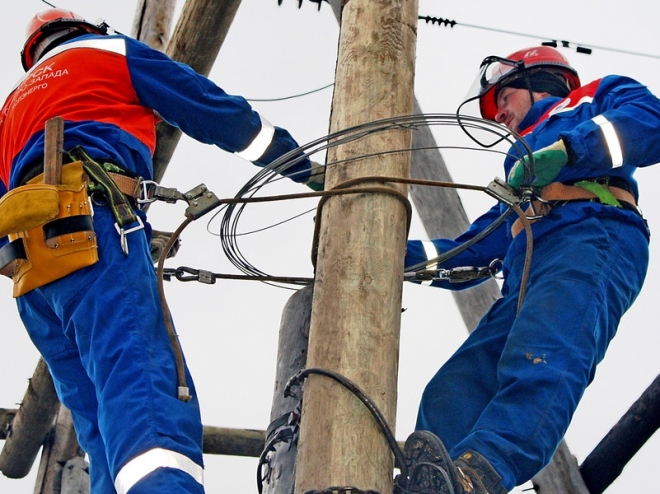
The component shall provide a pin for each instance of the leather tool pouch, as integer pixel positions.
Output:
(54, 223)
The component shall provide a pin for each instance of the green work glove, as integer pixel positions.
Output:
(548, 162)
(316, 180)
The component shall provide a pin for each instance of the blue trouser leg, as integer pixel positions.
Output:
(102, 332)
(74, 388)
(511, 390)
(456, 396)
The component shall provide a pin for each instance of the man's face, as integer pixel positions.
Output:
(512, 107)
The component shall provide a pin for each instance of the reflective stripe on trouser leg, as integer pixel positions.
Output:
(142, 465)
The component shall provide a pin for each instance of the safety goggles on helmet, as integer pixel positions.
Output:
(51, 27)
(493, 70)
(493, 74)
(496, 73)
(540, 68)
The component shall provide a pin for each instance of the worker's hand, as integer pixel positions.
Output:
(158, 241)
(316, 180)
(548, 162)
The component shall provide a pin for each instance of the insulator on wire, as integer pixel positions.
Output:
(439, 20)
(300, 2)
(567, 44)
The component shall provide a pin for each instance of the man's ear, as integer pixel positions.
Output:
(539, 96)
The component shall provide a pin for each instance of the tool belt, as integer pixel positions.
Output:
(558, 194)
(50, 230)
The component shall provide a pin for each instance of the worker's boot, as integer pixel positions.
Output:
(430, 470)
(477, 475)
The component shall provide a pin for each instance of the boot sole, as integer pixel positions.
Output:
(430, 468)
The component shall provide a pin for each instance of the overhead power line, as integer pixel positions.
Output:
(292, 96)
(579, 47)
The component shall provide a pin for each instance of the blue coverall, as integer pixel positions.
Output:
(101, 329)
(510, 391)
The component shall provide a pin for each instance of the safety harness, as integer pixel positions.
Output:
(33, 257)
(117, 187)
(610, 191)
(558, 194)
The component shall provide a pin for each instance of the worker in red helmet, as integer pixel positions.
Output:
(494, 414)
(85, 284)
(50, 28)
(539, 69)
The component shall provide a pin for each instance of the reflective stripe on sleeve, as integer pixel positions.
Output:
(611, 139)
(259, 144)
(142, 465)
(431, 253)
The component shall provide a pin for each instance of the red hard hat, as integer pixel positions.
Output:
(45, 24)
(497, 72)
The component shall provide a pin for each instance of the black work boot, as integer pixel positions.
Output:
(477, 475)
(431, 470)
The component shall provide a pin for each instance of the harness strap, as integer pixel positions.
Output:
(101, 179)
(129, 186)
(558, 193)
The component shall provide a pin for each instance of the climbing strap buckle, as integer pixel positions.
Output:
(125, 231)
(151, 192)
(146, 195)
(200, 199)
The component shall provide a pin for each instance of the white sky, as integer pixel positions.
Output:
(229, 330)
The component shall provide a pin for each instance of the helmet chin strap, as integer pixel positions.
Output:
(531, 98)
(528, 85)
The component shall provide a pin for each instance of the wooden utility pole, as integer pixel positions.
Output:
(61, 449)
(357, 296)
(153, 22)
(29, 427)
(198, 36)
(279, 472)
(606, 462)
